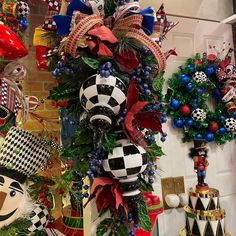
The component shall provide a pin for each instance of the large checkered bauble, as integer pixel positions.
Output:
(23, 152)
(198, 114)
(126, 161)
(23, 9)
(200, 77)
(40, 218)
(230, 124)
(106, 92)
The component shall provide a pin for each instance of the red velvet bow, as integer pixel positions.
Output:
(136, 118)
(107, 194)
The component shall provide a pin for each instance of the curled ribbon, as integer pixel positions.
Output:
(12, 73)
(131, 27)
(84, 33)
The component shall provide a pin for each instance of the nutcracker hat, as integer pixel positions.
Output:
(199, 144)
(22, 154)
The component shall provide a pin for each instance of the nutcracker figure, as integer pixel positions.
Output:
(199, 155)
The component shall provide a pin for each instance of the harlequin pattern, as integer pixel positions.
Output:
(24, 151)
(203, 204)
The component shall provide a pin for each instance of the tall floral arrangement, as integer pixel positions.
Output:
(108, 65)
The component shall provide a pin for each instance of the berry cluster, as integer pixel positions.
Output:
(123, 2)
(141, 75)
(62, 69)
(150, 172)
(121, 117)
(106, 69)
(95, 162)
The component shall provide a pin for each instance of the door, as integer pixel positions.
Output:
(189, 37)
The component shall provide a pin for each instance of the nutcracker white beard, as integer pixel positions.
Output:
(15, 201)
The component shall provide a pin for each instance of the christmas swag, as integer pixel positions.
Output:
(107, 61)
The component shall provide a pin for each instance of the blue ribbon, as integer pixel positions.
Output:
(63, 22)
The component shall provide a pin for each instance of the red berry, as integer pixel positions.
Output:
(213, 127)
(184, 109)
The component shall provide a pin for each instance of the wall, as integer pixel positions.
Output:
(38, 82)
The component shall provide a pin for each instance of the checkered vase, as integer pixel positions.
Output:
(23, 152)
(40, 218)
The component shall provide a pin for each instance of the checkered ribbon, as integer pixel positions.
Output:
(11, 96)
(53, 5)
(162, 26)
(86, 25)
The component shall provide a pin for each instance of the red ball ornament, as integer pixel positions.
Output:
(184, 109)
(11, 47)
(213, 126)
(198, 63)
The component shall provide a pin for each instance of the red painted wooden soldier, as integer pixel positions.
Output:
(199, 155)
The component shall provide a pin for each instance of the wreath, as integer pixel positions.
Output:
(201, 78)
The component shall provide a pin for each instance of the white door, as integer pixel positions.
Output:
(189, 37)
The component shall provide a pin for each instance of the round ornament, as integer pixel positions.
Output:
(193, 116)
(184, 109)
(40, 218)
(199, 77)
(198, 114)
(230, 124)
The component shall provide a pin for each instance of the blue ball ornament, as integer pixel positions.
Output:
(174, 104)
(179, 123)
(216, 93)
(210, 137)
(200, 91)
(23, 23)
(210, 70)
(234, 114)
(184, 78)
(188, 122)
(189, 87)
(198, 136)
(221, 130)
(191, 68)
(222, 118)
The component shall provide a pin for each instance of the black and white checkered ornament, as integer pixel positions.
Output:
(230, 124)
(40, 218)
(23, 152)
(49, 24)
(103, 98)
(99, 91)
(199, 77)
(23, 9)
(198, 114)
(126, 161)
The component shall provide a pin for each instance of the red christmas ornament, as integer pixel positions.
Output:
(213, 126)
(184, 109)
(11, 47)
(198, 63)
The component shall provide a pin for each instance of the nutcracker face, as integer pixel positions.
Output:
(202, 153)
(11, 197)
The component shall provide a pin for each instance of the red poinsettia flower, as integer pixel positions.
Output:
(136, 117)
(107, 194)
(97, 39)
(126, 59)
